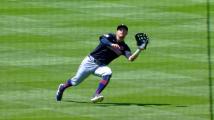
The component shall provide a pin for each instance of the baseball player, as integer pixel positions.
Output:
(110, 47)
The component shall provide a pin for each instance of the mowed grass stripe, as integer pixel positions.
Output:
(166, 82)
(149, 107)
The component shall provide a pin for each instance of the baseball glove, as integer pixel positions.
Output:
(142, 40)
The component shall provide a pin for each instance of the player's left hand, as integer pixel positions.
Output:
(142, 40)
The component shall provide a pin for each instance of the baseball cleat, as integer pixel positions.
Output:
(59, 92)
(97, 98)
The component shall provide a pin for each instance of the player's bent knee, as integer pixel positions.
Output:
(107, 72)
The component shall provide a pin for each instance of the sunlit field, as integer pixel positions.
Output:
(42, 43)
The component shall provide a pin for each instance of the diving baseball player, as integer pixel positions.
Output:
(110, 47)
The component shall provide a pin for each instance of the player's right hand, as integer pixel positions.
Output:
(115, 46)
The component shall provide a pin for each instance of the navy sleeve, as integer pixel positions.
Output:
(127, 51)
(104, 40)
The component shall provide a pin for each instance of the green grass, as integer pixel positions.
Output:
(42, 43)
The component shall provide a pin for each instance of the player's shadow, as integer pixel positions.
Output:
(118, 104)
(129, 104)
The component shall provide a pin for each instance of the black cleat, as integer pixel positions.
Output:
(59, 92)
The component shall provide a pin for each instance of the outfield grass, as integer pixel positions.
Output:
(42, 43)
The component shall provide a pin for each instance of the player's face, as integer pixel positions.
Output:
(121, 34)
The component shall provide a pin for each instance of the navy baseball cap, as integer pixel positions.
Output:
(122, 26)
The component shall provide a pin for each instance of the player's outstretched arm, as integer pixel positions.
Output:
(135, 55)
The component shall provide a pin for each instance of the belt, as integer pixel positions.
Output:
(94, 60)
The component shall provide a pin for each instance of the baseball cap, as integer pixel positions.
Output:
(122, 26)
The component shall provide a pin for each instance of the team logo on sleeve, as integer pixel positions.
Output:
(106, 35)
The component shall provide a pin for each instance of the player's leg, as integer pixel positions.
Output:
(84, 70)
(104, 72)
(77, 79)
